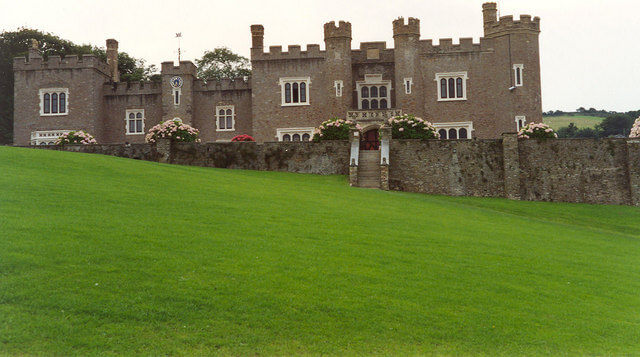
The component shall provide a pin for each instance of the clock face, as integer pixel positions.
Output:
(176, 82)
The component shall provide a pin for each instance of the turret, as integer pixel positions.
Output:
(339, 89)
(112, 59)
(489, 14)
(407, 64)
(411, 29)
(340, 32)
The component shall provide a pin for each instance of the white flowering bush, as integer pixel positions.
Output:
(334, 129)
(635, 129)
(537, 131)
(75, 137)
(407, 126)
(175, 130)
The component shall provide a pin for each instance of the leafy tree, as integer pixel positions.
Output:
(581, 110)
(131, 69)
(568, 131)
(587, 133)
(616, 124)
(222, 63)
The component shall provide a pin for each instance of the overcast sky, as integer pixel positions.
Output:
(590, 49)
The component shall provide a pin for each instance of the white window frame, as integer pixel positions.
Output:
(233, 117)
(371, 80)
(408, 83)
(515, 75)
(46, 137)
(468, 125)
(291, 81)
(281, 132)
(127, 119)
(50, 91)
(455, 76)
(524, 121)
(173, 96)
(339, 86)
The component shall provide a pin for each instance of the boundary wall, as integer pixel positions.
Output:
(599, 171)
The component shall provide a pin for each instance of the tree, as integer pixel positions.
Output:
(616, 124)
(222, 63)
(581, 110)
(131, 69)
(568, 131)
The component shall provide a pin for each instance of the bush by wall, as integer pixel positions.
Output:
(407, 126)
(76, 137)
(175, 130)
(243, 137)
(635, 129)
(334, 129)
(536, 131)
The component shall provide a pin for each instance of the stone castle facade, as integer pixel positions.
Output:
(468, 90)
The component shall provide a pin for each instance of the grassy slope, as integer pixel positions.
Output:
(581, 121)
(101, 255)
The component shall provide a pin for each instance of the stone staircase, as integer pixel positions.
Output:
(369, 169)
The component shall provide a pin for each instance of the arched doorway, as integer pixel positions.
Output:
(370, 140)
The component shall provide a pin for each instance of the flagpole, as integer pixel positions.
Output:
(179, 35)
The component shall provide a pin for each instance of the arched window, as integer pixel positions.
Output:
(229, 119)
(374, 91)
(63, 103)
(463, 133)
(443, 134)
(303, 92)
(306, 137)
(54, 103)
(459, 87)
(364, 92)
(453, 134)
(452, 88)
(443, 88)
(286, 137)
(383, 91)
(221, 120)
(287, 93)
(520, 124)
(374, 103)
(365, 104)
(135, 121)
(383, 104)
(132, 116)
(47, 103)
(518, 81)
(296, 137)
(296, 98)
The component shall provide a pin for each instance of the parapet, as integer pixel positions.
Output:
(506, 24)
(412, 28)
(57, 62)
(223, 84)
(446, 46)
(184, 67)
(342, 31)
(293, 52)
(132, 88)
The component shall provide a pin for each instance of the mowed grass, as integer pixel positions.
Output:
(581, 121)
(107, 256)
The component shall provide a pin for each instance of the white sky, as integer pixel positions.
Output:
(590, 49)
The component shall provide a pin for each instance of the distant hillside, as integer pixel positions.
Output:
(580, 120)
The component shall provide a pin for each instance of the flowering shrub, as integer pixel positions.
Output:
(334, 129)
(76, 137)
(536, 131)
(407, 126)
(175, 130)
(635, 129)
(243, 137)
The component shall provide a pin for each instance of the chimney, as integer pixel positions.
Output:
(257, 36)
(112, 59)
(34, 52)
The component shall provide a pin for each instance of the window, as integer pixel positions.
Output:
(54, 101)
(294, 134)
(454, 130)
(295, 91)
(338, 86)
(177, 92)
(134, 121)
(225, 118)
(373, 92)
(452, 86)
(517, 74)
(521, 121)
(408, 82)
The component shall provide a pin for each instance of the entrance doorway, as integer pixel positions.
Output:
(370, 140)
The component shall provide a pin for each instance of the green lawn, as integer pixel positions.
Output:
(581, 121)
(107, 256)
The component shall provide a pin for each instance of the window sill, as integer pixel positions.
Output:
(226, 129)
(53, 114)
(134, 133)
(451, 100)
(294, 104)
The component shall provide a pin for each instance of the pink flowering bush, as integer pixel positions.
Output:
(407, 126)
(175, 130)
(536, 131)
(76, 137)
(635, 129)
(243, 137)
(334, 129)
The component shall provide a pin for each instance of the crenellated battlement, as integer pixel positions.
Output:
(132, 88)
(506, 24)
(57, 62)
(293, 52)
(446, 45)
(342, 31)
(223, 84)
(184, 67)
(411, 28)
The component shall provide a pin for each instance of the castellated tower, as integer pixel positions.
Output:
(517, 63)
(177, 91)
(407, 68)
(339, 87)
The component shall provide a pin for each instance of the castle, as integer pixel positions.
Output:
(467, 90)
